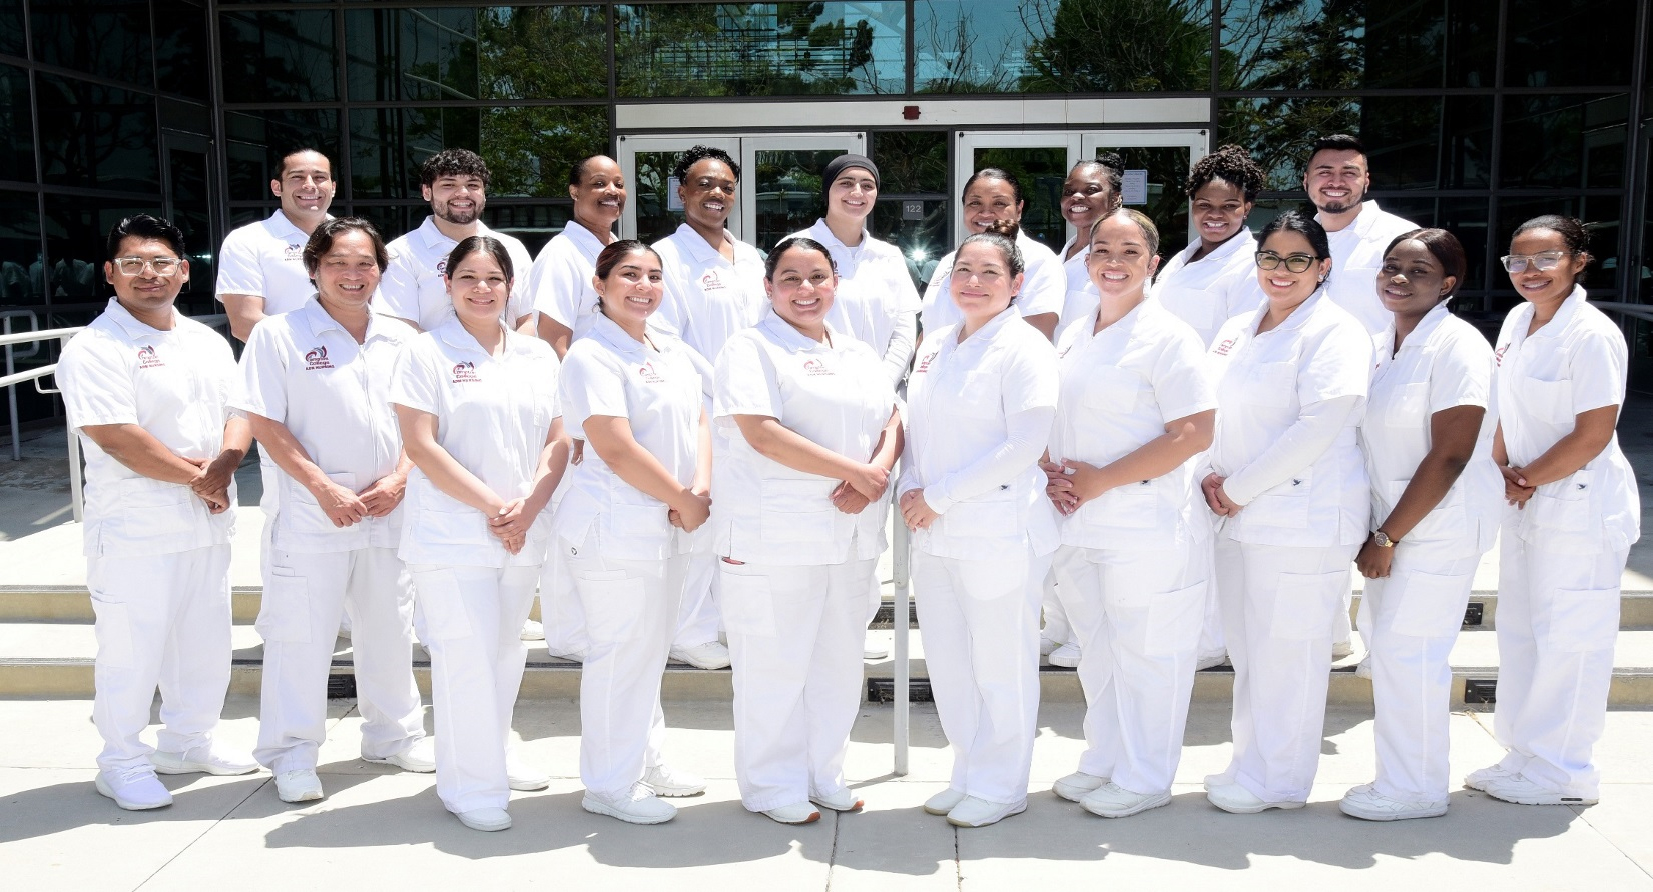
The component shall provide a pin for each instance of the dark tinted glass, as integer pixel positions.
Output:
(16, 128)
(411, 54)
(75, 233)
(911, 162)
(387, 145)
(258, 139)
(1279, 131)
(278, 56)
(514, 63)
(530, 150)
(108, 38)
(1599, 213)
(190, 205)
(392, 220)
(1095, 45)
(97, 137)
(22, 275)
(181, 59)
(1466, 148)
(1569, 43)
(534, 224)
(1563, 141)
(1357, 44)
(760, 49)
(12, 35)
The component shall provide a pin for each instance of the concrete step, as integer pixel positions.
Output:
(55, 659)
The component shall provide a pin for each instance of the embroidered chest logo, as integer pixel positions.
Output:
(317, 359)
(814, 367)
(710, 282)
(924, 364)
(147, 358)
(442, 267)
(1223, 348)
(295, 252)
(1498, 355)
(465, 373)
(649, 375)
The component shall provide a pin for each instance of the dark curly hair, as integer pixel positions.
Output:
(696, 154)
(1231, 164)
(1112, 167)
(453, 162)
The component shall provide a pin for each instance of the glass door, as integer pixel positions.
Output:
(189, 186)
(652, 207)
(1157, 163)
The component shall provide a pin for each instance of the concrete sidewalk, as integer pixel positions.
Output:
(388, 828)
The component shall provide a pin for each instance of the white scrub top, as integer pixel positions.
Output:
(1318, 353)
(1357, 252)
(657, 389)
(1082, 298)
(493, 415)
(413, 286)
(559, 282)
(1212, 290)
(706, 298)
(833, 394)
(876, 300)
(176, 385)
(1044, 286)
(304, 370)
(1577, 362)
(1444, 363)
(1120, 387)
(959, 398)
(266, 259)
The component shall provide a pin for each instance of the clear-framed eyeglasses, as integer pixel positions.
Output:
(1543, 262)
(160, 266)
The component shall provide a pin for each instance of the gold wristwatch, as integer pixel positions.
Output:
(1382, 539)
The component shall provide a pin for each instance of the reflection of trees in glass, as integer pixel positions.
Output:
(278, 56)
(1116, 45)
(737, 49)
(530, 150)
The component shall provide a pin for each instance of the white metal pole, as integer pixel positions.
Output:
(903, 611)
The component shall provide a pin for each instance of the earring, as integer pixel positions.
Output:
(1320, 281)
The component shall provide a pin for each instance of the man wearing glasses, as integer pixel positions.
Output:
(147, 390)
(1337, 180)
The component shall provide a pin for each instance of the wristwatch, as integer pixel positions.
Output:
(1382, 539)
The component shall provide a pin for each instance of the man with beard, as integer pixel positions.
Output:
(455, 182)
(1337, 180)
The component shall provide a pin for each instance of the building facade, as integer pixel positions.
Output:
(1478, 114)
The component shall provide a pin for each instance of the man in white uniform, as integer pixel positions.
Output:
(147, 390)
(1358, 231)
(455, 182)
(260, 266)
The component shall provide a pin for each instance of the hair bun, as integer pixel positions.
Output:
(1007, 228)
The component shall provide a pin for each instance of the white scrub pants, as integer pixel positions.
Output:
(304, 597)
(1136, 614)
(560, 611)
(470, 619)
(1279, 604)
(796, 638)
(1558, 616)
(1211, 625)
(1057, 626)
(979, 622)
(631, 611)
(697, 616)
(161, 620)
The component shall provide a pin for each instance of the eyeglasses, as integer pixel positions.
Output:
(1297, 263)
(1543, 262)
(135, 266)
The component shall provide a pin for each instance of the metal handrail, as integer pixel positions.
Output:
(1638, 311)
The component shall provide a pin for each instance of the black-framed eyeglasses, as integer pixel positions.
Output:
(1297, 263)
(135, 266)
(1543, 261)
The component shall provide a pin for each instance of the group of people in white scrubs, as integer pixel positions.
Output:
(690, 444)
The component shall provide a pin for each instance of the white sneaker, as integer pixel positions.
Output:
(487, 820)
(1522, 790)
(134, 789)
(419, 758)
(973, 812)
(1210, 660)
(666, 781)
(1363, 669)
(710, 655)
(523, 777)
(796, 813)
(1341, 649)
(843, 800)
(206, 759)
(641, 807)
(1368, 804)
(1480, 777)
(1237, 800)
(298, 786)
(874, 650)
(531, 631)
(1076, 786)
(944, 802)
(1113, 801)
(1066, 656)
(1046, 645)
(572, 656)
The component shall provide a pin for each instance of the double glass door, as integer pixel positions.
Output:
(780, 182)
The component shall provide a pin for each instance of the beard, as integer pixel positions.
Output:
(1342, 205)
(460, 217)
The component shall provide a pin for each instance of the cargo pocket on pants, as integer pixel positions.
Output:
(439, 606)
(1583, 621)
(613, 605)
(1303, 605)
(284, 610)
(1431, 605)
(748, 606)
(1174, 621)
(112, 625)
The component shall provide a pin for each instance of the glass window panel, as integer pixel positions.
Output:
(278, 56)
(1167, 203)
(411, 53)
(650, 193)
(1599, 213)
(391, 220)
(911, 162)
(12, 39)
(1562, 141)
(1402, 137)
(1351, 45)
(1279, 131)
(787, 189)
(1466, 218)
(22, 273)
(189, 197)
(1466, 143)
(1064, 46)
(1570, 43)
(1041, 171)
(76, 229)
(760, 49)
(16, 128)
(530, 150)
(388, 145)
(181, 60)
(97, 137)
(257, 140)
(922, 237)
(515, 65)
(108, 38)
(534, 224)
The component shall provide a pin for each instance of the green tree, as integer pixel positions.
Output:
(1117, 45)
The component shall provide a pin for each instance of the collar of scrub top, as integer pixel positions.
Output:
(317, 319)
(790, 338)
(1298, 316)
(702, 250)
(1235, 242)
(609, 332)
(822, 233)
(453, 333)
(434, 238)
(132, 326)
(1563, 315)
(985, 334)
(278, 225)
(1427, 327)
(583, 239)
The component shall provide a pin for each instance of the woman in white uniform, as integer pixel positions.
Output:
(1434, 492)
(981, 400)
(1573, 514)
(477, 405)
(994, 196)
(634, 395)
(1289, 485)
(1137, 407)
(810, 435)
(315, 386)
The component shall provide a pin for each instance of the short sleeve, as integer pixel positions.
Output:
(1031, 379)
(1598, 366)
(97, 387)
(264, 374)
(746, 383)
(1044, 290)
(521, 302)
(558, 286)
(416, 383)
(1337, 364)
(239, 269)
(590, 387)
(398, 293)
(1182, 379)
(1461, 375)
